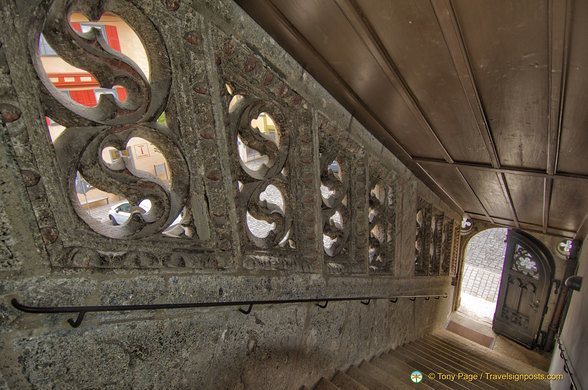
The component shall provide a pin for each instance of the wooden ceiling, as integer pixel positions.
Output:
(484, 100)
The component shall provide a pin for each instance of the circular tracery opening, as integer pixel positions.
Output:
(564, 247)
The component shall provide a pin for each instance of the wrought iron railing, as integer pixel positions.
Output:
(320, 302)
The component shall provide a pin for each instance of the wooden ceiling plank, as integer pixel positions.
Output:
(442, 188)
(547, 190)
(508, 197)
(299, 37)
(527, 195)
(453, 38)
(366, 32)
(560, 20)
(469, 187)
(560, 17)
(569, 205)
(452, 34)
(510, 170)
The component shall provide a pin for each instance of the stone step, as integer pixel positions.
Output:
(345, 382)
(467, 360)
(392, 380)
(476, 362)
(400, 372)
(459, 362)
(483, 353)
(501, 364)
(479, 357)
(491, 362)
(325, 385)
(443, 369)
(444, 359)
(423, 365)
(410, 365)
(366, 379)
(440, 364)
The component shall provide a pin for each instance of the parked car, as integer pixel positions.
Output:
(121, 212)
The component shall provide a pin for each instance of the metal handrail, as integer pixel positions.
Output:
(568, 368)
(82, 310)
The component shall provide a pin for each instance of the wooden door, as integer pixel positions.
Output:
(524, 288)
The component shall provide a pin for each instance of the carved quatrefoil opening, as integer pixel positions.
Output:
(109, 113)
(262, 144)
(150, 199)
(377, 231)
(423, 246)
(335, 213)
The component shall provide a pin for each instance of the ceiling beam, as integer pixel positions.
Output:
(547, 190)
(510, 170)
(368, 35)
(527, 226)
(560, 16)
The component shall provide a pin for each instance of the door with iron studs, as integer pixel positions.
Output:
(524, 289)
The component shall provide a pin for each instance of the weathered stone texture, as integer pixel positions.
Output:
(52, 253)
(275, 347)
(7, 259)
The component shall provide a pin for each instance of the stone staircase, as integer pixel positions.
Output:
(446, 361)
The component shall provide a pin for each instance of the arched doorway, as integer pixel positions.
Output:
(505, 283)
(482, 270)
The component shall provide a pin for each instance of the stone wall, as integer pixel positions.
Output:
(202, 55)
